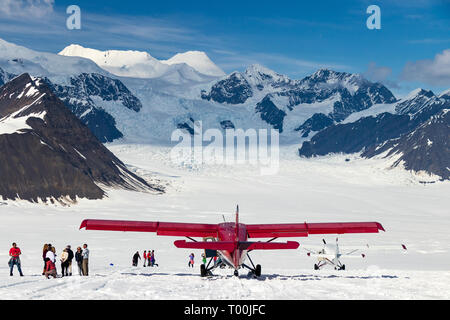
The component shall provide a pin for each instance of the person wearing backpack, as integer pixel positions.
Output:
(64, 263)
(69, 259)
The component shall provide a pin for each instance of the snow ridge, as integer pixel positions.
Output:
(141, 64)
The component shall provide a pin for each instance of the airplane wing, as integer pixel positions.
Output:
(305, 229)
(160, 228)
(254, 230)
(230, 245)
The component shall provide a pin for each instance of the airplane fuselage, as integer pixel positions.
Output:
(227, 232)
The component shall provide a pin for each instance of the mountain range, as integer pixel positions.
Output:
(133, 96)
(407, 130)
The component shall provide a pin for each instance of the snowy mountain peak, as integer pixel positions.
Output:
(261, 76)
(417, 100)
(419, 92)
(331, 80)
(24, 94)
(260, 69)
(17, 60)
(140, 64)
(327, 75)
(324, 74)
(24, 87)
(445, 94)
(113, 58)
(198, 60)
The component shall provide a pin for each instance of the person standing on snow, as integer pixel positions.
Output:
(135, 258)
(152, 258)
(85, 260)
(44, 253)
(191, 260)
(14, 253)
(64, 263)
(69, 259)
(144, 255)
(203, 258)
(79, 260)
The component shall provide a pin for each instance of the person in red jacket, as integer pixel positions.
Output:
(145, 256)
(50, 269)
(14, 253)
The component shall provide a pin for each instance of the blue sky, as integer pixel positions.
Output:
(291, 37)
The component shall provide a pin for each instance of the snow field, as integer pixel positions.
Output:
(321, 190)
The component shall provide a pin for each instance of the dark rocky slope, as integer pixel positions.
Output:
(52, 154)
(424, 149)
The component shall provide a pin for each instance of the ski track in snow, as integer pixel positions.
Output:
(323, 189)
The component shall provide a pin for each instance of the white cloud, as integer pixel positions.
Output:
(429, 41)
(377, 73)
(380, 74)
(26, 8)
(434, 72)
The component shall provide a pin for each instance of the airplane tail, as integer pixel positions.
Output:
(237, 223)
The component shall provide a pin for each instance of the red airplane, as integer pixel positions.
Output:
(230, 240)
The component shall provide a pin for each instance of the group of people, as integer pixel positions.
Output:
(81, 257)
(149, 258)
(49, 256)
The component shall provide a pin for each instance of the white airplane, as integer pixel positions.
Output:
(330, 255)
